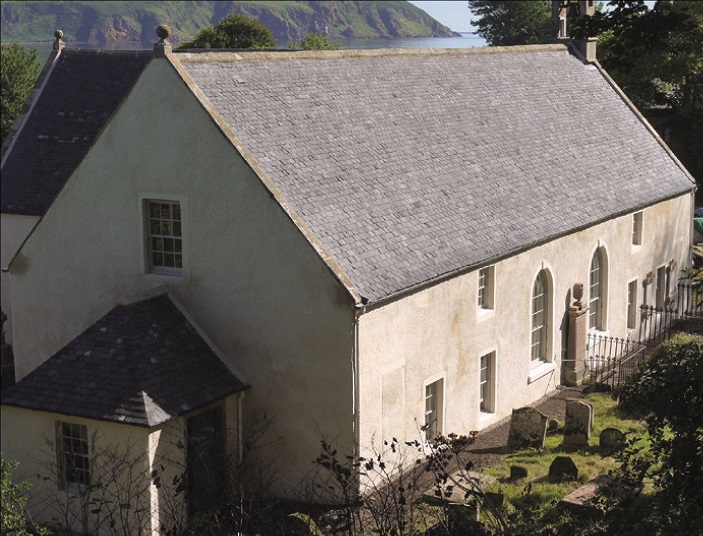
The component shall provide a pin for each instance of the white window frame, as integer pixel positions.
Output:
(73, 455)
(598, 290)
(637, 228)
(632, 304)
(486, 288)
(433, 407)
(487, 383)
(175, 230)
(540, 319)
(662, 280)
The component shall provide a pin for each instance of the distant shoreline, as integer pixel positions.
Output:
(149, 44)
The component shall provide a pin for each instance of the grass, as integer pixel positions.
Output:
(542, 496)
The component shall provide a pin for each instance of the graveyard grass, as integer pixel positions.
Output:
(539, 495)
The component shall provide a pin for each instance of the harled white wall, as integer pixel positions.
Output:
(440, 332)
(29, 438)
(251, 281)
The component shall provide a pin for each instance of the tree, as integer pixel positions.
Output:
(314, 41)
(667, 393)
(19, 68)
(656, 57)
(233, 31)
(506, 22)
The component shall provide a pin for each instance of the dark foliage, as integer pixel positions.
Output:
(19, 68)
(504, 23)
(668, 395)
(234, 31)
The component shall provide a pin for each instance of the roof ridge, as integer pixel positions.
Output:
(229, 55)
(109, 51)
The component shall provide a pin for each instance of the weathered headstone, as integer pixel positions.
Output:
(583, 498)
(612, 438)
(563, 468)
(553, 426)
(578, 423)
(528, 428)
(517, 472)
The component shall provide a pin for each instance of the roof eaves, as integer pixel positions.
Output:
(326, 256)
(385, 300)
(28, 106)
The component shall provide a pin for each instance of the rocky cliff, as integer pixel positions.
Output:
(134, 22)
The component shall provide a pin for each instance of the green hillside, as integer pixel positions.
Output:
(135, 22)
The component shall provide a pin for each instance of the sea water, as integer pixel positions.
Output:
(465, 40)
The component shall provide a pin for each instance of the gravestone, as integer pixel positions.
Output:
(563, 468)
(612, 438)
(578, 423)
(528, 428)
(517, 472)
(583, 498)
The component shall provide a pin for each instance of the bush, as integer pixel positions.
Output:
(234, 31)
(14, 502)
(667, 393)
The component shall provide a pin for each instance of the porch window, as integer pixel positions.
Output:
(73, 460)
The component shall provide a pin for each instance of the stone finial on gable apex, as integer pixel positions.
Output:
(58, 43)
(162, 48)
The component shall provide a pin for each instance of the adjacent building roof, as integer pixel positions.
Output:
(141, 364)
(411, 165)
(81, 92)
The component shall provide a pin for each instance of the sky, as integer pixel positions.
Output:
(452, 13)
(455, 13)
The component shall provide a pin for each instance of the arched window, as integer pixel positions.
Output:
(541, 317)
(597, 291)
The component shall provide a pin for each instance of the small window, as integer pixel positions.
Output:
(486, 278)
(487, 383)
(662, 281)
(632, 304)
(164, 237)
(74, 464)
(433, 409)
(637, 229)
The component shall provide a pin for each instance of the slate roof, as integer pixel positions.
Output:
(141, 364)
(409, 166)
(81, 93)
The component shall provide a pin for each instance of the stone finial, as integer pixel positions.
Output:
(163, 31)
(162, 47)
(58, 44)
(577, 293)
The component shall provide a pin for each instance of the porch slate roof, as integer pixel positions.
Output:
(80, 95)
(409, 166)
(141, 364)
